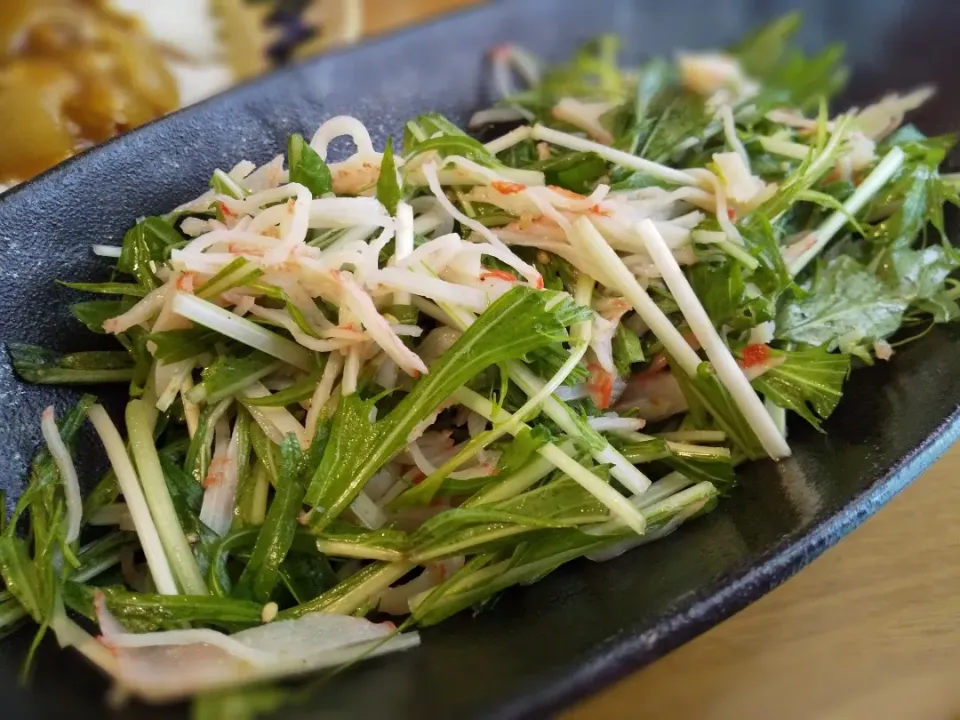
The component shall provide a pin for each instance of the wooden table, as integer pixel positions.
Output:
(870, 631)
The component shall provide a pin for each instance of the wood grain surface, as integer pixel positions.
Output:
(381, 16)
(869, 631)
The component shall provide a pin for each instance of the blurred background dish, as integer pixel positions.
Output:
(74, 73)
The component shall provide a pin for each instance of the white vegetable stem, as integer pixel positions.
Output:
(517, 482)
(504, 142)
(572, 142)
(618, 505)
(671, 498)
(885, 169)
(794, 150)
(242, 330)
(619, 278)
(133, 494)
(158, 499)
(372, 586)
(69, 634)
(367, 512)
(604, 492)
(111, 251)
(276, 422)
(68, 473)
(621, 468)
(720, 356)
(404, 244)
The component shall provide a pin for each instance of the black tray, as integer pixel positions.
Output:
(539, 648)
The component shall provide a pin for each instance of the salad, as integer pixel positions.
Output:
(366, 395)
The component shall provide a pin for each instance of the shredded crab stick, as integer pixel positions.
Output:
(618, 157)
(528, 271)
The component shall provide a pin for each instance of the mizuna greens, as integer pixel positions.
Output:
(398, 384)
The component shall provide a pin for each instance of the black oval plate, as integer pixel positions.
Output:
(541, 647)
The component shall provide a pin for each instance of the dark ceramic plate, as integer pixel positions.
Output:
(539, 648)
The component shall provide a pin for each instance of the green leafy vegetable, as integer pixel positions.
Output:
(844, 304)
(223, 184)
(93, 313)
(261, 574)
(175, 345)
(151, 239)
(107, 288)
(38, 365)
(228, 375)
(807, 382)
(627, 349)
(710, 401)
(388, 189)
(307, 167)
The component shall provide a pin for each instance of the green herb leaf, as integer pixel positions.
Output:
(806, 379)
(20, 576)
(148, 611)
(721, 289)
(261, 574)
(844, 303)
(578, 172)
(482, 578)
(176, 345)
(710, 400)
(787, 73)
(186, 494)
(300, 390)
(228, 375)
(46, 367)
(388, 189)
(341, 539)
(307, 576)
(223, 184)
(684, 114)
(307, 167)
(767, 46)
(558, 504)
(93, 313)
(522, 448)
(443, 137)
(237, 273)
(917, 274)
(151, 239)
(107, 288)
